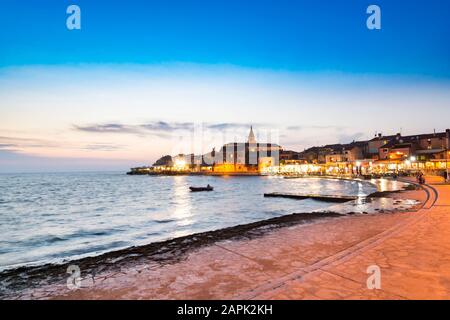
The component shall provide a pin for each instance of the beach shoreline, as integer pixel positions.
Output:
(23, 282)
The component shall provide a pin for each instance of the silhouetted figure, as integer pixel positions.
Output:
(420, 178)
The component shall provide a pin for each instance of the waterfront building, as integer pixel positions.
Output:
(250, 157)
(382, 154)
(246, 157)
(346, 152)
(374, 145)
(290, 155)
(415, 152)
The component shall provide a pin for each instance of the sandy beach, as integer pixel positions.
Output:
(301, 256)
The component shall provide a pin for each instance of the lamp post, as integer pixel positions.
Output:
(358, 167)
(413, 160)
(447, 152)
(446, 163)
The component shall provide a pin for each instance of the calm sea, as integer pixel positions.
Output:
(60, 216)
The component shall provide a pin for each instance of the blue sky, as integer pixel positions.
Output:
(126, 87)
(293, 35)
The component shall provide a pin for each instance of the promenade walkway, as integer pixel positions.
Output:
(325, 260)
(413, 257)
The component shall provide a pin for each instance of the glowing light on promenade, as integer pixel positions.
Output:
(180, 164)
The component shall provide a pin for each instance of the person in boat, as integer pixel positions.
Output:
(208, 186)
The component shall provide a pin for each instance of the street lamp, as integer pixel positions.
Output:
(358, 167)
(446, 164)
(447, 152)
(412, 160)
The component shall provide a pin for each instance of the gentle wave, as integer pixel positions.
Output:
(48, 217)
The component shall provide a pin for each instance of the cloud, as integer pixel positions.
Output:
(14, 142)
(7, 146)
(20, 145)
(324, 127)
(227, 126)
(347, 138)
(166, 126)
(158, 128)
(107, 128)
(102, 147)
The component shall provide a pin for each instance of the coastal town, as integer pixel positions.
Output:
(382, 155)
(224, 159)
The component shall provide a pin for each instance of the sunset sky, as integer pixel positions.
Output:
(143, 79)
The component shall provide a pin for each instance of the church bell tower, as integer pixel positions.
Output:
(251, 136)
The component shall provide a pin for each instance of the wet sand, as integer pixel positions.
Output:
(246, 261)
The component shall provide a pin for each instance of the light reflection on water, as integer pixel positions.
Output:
(50, 217)
(388, 185)
(182, 213)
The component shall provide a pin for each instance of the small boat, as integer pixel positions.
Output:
(197, 189)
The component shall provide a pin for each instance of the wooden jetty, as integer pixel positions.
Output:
(320, 197)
